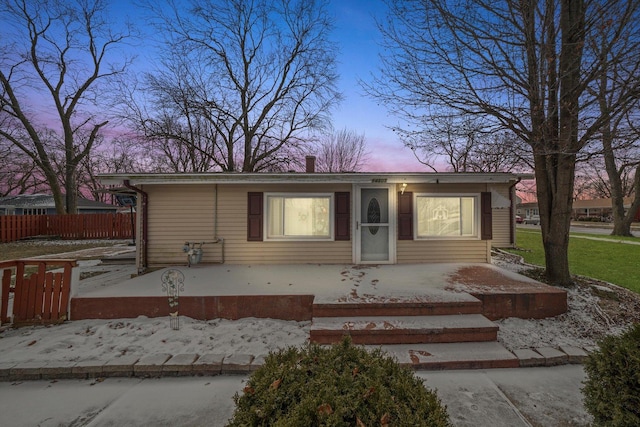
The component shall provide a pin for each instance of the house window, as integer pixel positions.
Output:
(446, 216)
(299, 216)
(34, 211)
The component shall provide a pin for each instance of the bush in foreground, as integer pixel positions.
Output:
(612, 388)
(342, 385)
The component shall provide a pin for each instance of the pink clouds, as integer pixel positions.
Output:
(390, 156)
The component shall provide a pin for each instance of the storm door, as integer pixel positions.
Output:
(375, 225)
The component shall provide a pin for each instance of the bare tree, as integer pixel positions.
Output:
(616, 90)
(520, 65)
(53, 61)
(465, 144)
(177, 133)
(18, 174)
(256, 75)
(341, 151)
(592, 179)
(123, 153)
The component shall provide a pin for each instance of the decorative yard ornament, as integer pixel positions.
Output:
(173, 284)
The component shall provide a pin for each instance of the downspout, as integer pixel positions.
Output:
(215, 213)
(512, 228)
(145, 234)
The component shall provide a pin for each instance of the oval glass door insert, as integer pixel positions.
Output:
(373, 215)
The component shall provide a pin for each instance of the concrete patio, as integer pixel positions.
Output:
(429, 316)
(297, 292)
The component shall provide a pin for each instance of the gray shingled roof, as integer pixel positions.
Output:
(46, 201)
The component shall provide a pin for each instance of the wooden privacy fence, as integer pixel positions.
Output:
(40, 297)
(80, 226)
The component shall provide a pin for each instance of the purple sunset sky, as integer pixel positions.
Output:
(358, 38)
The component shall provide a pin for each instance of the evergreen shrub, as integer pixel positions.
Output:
(341, 385)
(612, 388)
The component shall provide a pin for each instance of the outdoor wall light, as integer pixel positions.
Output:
(403, 187)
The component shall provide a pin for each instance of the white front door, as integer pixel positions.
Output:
(375, 224)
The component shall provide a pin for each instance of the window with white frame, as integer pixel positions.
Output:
(34, 211)
(446, 216)
(299, 216)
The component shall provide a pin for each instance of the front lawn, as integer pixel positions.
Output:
(612, 262)
(31, 248)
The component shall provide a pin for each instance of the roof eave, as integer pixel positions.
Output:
(312, 178)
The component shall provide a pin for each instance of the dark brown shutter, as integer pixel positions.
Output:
(405, 216)
(254, 217)
(486, 216)
(342, 216)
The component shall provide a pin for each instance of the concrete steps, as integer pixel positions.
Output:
(430, 334)
(475, 355)
(468, 305)
(404, 329)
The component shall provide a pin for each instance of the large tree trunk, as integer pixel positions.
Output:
(555, 201)
(556, 166)
(70, 189)
(56, 192)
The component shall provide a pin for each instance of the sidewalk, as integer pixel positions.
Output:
(493, 398)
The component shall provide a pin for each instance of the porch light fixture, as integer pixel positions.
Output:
(403, 187)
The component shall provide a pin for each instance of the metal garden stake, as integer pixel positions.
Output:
(173, 284)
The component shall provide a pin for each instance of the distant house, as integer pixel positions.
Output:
(527, 210)
(362, 218)
(43, 204)
(598, 208)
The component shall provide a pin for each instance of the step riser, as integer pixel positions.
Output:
(379, 310)
(404, 336)
(464, 364)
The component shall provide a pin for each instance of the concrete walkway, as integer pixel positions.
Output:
(494, 398)
(464, 355)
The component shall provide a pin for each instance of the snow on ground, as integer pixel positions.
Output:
(107, 339)
(584, 323)
(579, 327)
(595, 309)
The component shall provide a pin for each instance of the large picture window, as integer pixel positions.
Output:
(446, 216)
(299, 216)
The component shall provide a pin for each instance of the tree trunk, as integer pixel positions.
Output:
(70, 189)
(622, 226)
(555, 201)
(58, 198)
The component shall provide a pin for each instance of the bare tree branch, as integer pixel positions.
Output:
(56, 53)
(341, 151)
(517, 65)
(255, 76)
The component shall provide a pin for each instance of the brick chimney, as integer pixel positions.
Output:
(310, 164)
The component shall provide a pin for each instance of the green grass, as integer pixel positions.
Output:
(609, 261)
(28, 249)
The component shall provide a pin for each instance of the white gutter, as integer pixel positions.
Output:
(312, 178)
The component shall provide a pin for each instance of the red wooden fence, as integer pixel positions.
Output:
(81, 226)
(39, 298)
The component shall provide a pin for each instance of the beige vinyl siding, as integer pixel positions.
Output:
(446, 188)
(232, 208)
(187, 212)
(434, 251)
(502, 222)
(451, 250)
(179, 214)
